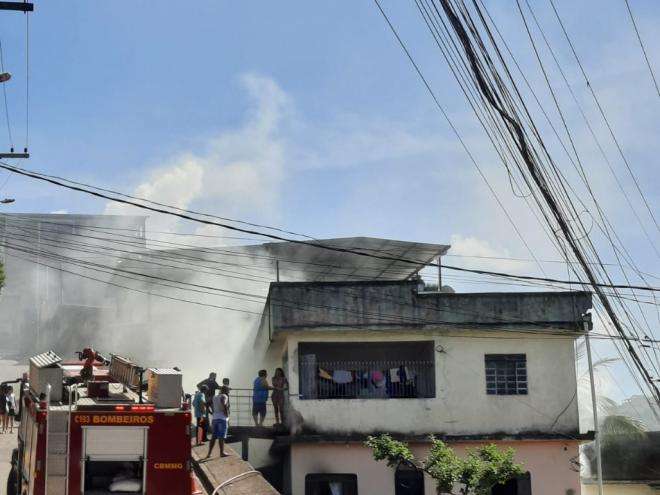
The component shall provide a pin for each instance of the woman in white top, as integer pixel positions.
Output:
(11, 411)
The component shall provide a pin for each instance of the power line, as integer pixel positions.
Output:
(641, 44)
(602, 113)
(593, 283)
(555, 197)
(453, 127)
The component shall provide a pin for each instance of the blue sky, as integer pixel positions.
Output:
(307, 115)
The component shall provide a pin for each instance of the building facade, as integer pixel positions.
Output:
(386, 356)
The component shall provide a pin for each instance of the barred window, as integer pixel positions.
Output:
(506, 374)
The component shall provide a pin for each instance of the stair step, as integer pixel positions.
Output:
(58, 421)
(57, 443)
(56, 485)
(57, 465)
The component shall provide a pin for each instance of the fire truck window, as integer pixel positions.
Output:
(115, 443)
(110, 477)
(114, 459)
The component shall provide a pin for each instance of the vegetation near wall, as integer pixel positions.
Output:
(482, 468)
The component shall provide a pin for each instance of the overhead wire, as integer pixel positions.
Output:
(454, 129)
(579, 167)
(641, 45)
(473, 30)
(603, 115)
(328, 247)
(499, 98)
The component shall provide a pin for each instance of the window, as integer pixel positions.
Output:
(522, 485)
(506, 374)
(408, 482)
(331, 484)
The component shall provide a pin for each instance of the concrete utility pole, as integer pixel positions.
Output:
(586, 318)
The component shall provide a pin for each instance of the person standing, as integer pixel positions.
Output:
(280, 384)
(211, 386)
(11, 409)
(260, 390)
(3, 409)
(199, 409)
(220, 421)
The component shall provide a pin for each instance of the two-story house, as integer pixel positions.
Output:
(385, 356)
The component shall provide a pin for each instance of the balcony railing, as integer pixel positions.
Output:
(240, 401)
(377, 379)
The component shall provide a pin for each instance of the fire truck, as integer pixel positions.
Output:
(97, 426)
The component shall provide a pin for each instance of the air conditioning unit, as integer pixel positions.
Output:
(164, 387)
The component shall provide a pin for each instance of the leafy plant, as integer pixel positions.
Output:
(482, 468)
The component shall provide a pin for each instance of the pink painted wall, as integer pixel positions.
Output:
(547, 461)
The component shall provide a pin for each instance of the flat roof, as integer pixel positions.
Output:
(316, 264)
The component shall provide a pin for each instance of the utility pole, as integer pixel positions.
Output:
(586, 318)
(439, 273)
(24, 7)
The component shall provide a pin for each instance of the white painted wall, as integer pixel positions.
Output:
(461, 405)
(548, 462)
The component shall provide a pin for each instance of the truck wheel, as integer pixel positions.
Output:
(12, 489)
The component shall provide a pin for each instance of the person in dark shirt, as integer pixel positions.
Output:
(260, 397)
(199, 409)
(211, 386)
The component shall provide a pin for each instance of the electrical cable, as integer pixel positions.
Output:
(641, 45)
(322, 246)
(453, 127)
(602, 113)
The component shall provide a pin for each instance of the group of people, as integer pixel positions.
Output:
(212, 410)
(8, 409)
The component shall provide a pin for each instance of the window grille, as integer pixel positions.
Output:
(331, 484)
(506, 374)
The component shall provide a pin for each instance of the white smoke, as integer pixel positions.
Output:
(238, 173)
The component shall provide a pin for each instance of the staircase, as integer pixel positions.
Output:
(58, 451)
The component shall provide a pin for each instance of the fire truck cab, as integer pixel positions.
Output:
(94, 427)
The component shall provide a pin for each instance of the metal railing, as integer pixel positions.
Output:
(379, 379)
(240, 413)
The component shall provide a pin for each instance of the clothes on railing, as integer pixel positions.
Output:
(368, 381)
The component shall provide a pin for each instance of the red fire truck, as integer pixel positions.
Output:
(94, 426)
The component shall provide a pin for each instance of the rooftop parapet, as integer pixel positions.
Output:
(296, 306)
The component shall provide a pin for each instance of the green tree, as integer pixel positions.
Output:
(2, 275)
(482, 468)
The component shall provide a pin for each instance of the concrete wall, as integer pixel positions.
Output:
(461, 405)
(547, 461)
(388, 304)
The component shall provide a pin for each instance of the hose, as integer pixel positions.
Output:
(226, 482)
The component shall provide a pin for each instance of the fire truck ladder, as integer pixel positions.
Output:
(58, 450)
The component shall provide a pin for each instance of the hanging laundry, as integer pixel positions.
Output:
(394, 375)
(342, 376)
(324, 374)
(378, 378)
(410, 374)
